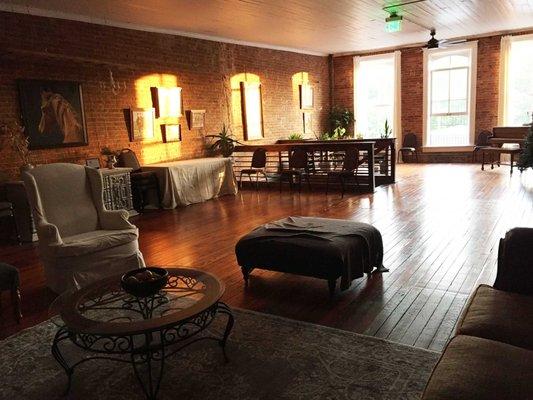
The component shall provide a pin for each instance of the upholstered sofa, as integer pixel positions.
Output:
(79, 240)
(491, 355)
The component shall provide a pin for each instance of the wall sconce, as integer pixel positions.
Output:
(167, 102)
(115, 86)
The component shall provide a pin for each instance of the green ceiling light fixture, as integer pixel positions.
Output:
(394, 22)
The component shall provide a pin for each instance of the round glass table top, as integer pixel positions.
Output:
(104, 308)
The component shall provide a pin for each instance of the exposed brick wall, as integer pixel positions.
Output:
(412, 64)
(46, 48)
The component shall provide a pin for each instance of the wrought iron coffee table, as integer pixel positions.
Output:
(113, 325)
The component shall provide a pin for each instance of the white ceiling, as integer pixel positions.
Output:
(312, 26)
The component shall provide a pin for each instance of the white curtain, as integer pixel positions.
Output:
(398, 98)
(505, 52)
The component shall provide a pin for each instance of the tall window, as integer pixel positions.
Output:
(516, 80)
(449, 99)
(376, 94)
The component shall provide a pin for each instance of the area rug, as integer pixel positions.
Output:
(270, 358)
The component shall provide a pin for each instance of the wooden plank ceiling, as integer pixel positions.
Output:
(314, 26)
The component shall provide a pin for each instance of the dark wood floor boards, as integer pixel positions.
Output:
(440, 226)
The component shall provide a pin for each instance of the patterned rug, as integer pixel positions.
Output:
(270, 358)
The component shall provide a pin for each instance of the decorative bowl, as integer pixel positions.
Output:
(144, 282)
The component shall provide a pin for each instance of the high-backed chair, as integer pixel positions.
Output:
(258, 167)
(141, 181)
(350, 165)
(298, 166)
(409, 146)
(79, 240)
(482, 141)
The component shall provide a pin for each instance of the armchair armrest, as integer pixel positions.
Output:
(115, 220)
(48, 234)
(515, 262)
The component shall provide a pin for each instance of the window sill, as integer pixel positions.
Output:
(451, 149)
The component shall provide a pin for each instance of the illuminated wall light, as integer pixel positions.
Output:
(393, 23)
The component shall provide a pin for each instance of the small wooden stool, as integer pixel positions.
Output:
(9, 280)
(498, 151)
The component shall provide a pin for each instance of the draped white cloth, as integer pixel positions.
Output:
(186, 182)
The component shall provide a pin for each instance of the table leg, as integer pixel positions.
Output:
(148, 366)
(512, 162)
(224, 309)
(61, 335)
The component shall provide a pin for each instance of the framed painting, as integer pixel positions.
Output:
(167, 102)
(93, 162)
(142, 124)
(171, 133)
(306, 97)
(252, 110)
(196, 119)
(53, 113)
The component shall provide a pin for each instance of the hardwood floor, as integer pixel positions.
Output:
(440, 223)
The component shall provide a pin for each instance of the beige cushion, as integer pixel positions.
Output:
(498, 315)
(91, 242)
(475, 368)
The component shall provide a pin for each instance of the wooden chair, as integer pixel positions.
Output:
(349, 169)
(258, 167)
(482, 141)
(409, 146)
(9, 280)
(141, 181)
(298, 166)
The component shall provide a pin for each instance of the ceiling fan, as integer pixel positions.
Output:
(434, 43)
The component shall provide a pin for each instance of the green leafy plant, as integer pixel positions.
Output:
(296, 136)
(387, 131)
(340, 120)
(224, 142)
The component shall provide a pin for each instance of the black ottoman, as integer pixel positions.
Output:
(317, 247)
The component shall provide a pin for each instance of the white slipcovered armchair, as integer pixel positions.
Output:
(79, 240)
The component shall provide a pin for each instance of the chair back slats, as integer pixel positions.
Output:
(483, 138)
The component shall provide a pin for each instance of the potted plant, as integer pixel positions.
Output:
(19, 142)
(225, 142)
(111, 156)
(340, 120)
(296, 136)
(387, 131)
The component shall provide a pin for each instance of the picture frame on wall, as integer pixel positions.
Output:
(308, 123)
(306, 97)
(142, 124)
(171, 133)
(252, 110)
(53, 113)
(93, 162)
(196, 119)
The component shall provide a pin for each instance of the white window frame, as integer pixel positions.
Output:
(397, 103)
(471, 101)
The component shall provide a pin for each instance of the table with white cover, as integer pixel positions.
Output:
(186, 182)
